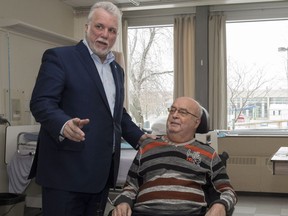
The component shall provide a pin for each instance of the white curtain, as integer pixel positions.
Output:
(217, 72)
(184, 56)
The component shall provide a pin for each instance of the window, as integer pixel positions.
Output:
(150, 72)
(257, 79)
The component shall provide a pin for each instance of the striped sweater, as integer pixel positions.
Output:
(167, 179)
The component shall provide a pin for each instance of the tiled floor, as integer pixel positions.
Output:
(248, 205)
(261, 205)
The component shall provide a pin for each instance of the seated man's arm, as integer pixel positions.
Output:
(124, 202)
(221, 183)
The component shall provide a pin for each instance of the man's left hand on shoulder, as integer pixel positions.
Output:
(146, 136)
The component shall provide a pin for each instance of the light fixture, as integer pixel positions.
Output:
(135, 2)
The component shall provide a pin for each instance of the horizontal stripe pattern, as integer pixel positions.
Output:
(163, 174)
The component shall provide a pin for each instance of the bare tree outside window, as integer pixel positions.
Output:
(150, 72)
(244, 84)
(256, 74)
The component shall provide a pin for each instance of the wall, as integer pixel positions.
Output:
(27, 29)
(52, 15)
(249, 166)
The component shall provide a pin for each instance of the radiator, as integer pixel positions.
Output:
(254, 174)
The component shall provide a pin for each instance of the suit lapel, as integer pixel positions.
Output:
(92, 70)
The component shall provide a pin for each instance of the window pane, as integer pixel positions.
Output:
(257, 79)
(150, 72)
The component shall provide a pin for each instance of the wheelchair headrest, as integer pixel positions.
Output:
(204, 124)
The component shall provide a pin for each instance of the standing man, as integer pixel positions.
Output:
(78, 100)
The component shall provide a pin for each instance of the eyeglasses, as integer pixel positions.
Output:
(100, 27)
(182, 112)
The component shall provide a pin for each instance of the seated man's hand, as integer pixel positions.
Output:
(217, 209)
(123, 209)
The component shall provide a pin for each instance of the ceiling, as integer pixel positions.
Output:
(121, 3)
(157, 4)
(88, 3)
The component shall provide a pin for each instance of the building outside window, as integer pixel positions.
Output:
(257, 79)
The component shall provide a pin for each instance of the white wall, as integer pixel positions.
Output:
(27, 29)
(52, 15)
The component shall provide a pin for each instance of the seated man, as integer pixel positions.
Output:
(168, 174)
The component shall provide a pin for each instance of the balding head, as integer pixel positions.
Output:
(183, 120)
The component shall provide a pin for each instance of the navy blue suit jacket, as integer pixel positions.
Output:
(68, 86)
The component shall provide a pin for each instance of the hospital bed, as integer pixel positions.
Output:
(20, 147)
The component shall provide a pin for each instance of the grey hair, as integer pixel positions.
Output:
(108, 6)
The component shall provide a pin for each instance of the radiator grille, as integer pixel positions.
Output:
(242, 160)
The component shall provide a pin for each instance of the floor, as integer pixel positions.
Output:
(248, 205)
(264, 205)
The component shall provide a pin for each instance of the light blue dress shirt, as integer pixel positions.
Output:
(106, 76)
